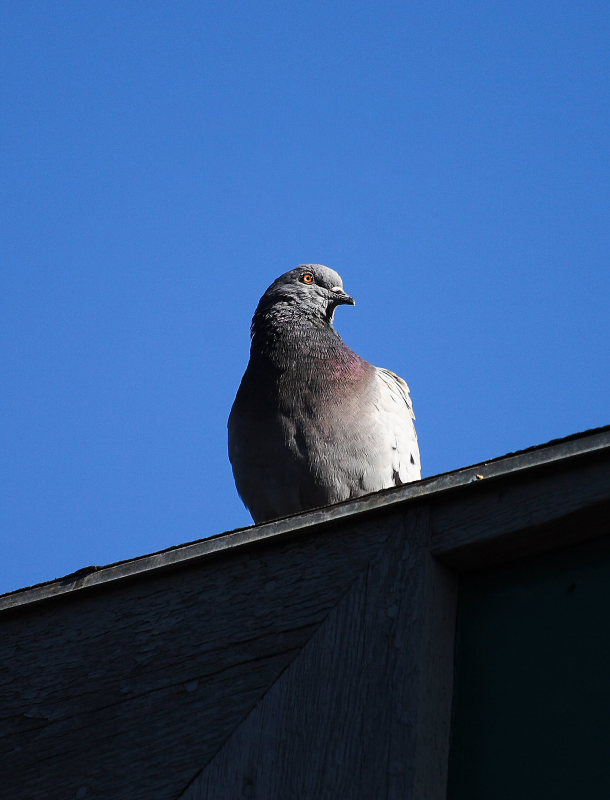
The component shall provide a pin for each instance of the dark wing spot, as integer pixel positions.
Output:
(299, 440)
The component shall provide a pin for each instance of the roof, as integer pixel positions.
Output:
(511, 466)
(266, 661)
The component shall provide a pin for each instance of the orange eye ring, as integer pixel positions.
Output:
(307, 278)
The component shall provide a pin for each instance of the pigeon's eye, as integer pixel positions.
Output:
(307, 278)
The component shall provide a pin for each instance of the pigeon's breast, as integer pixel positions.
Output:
(321, 409)
(322, 390)
(304, 431)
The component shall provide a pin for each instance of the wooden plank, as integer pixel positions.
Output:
(507, 518)
(435, 691)
(126, 693)
(363, 711)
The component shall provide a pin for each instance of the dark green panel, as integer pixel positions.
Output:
(532, 696)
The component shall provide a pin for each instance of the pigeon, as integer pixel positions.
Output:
(313, 423)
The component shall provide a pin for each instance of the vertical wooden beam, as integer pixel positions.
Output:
(364, 710)
(438, 643)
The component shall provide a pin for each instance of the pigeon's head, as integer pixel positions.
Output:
(313, 288)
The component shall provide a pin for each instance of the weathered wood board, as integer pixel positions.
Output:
(128, 691)
(365, 706)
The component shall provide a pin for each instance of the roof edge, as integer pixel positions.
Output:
(556, 450)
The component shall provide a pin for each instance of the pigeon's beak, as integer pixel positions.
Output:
(341, 297)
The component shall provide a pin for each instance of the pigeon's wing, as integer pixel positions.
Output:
(397, 419)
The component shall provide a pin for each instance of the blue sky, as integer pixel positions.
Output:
(163, 162)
